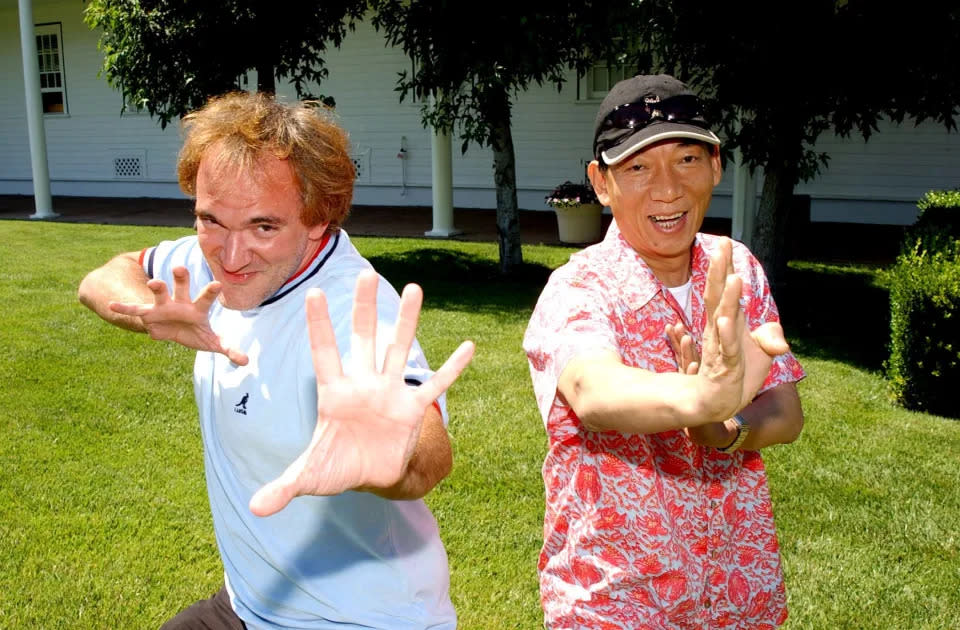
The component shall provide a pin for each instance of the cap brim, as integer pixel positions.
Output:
(656, 133)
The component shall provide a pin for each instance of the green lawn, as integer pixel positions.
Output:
(103, 514)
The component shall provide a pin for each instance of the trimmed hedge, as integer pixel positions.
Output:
(924, 365)
(939, 217)
(939, 199)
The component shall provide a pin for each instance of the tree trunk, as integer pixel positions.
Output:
(265, 81)
(505, 177)
(769, 230)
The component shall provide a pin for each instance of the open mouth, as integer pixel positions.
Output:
(668, 221)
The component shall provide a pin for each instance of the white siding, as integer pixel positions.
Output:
(83, 143)
(899, 163)
(876, 181)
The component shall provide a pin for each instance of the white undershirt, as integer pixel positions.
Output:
(682, 295)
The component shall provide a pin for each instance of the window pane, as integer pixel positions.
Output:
(57, 78)
(53, 42)
(56, 62)
(43, 80)
(52, 102)
(599, 79)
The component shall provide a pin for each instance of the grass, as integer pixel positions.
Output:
(104, 520)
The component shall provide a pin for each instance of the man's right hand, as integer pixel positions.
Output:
(734, 361)
(176, 318)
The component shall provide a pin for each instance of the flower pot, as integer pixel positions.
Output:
(579, 224)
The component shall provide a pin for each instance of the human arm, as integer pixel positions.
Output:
(121, 279)
(121, 293)
(608, 395)
(374, 433)
(775, 416)
(431, 462)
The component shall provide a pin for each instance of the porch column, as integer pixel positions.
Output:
(744, 201)
(442, 166)
(38, 139)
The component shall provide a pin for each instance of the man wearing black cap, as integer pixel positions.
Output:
(660, 369)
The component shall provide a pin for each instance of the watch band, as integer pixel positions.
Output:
(743, 430)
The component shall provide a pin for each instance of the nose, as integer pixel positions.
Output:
(235, 254)
(666, 186)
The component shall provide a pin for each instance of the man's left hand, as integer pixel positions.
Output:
(760, 347)
(368, 421)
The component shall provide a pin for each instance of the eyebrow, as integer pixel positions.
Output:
(257, 220)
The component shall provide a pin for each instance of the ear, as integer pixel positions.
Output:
(598, 180)
(316, 232)
(717, 165)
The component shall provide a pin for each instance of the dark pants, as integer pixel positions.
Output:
(210, 614)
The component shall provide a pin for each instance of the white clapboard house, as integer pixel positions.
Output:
(93, 150)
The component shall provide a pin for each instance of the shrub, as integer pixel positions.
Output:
(943, 199)
(924, 364)
(938, 222)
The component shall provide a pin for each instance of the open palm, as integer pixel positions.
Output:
(179, 319)
(368, 421)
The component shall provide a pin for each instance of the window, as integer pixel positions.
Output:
(598, 80)
(53, 87)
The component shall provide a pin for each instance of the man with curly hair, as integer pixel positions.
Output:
(322, 425)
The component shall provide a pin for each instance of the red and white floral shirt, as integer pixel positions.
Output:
(647, 531)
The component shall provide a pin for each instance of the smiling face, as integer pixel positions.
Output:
(249, 228)
(659, 197)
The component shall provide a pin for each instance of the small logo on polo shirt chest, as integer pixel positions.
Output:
(241, 407)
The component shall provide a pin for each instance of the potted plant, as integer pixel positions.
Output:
(578, 212)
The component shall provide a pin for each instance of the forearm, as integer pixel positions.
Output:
(120, 280)
(609, 396)
(432, 460)
(775, 417)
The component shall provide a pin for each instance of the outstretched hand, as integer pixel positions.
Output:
(760, 347)
(735, 361)
(369, 421)
(176, 318)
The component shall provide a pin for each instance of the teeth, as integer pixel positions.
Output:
(669, 217)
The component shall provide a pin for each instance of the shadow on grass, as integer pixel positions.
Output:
(835, 313)
(459, 281)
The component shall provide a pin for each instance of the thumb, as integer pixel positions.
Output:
(274, 496)
(770, 338)
(235, 355)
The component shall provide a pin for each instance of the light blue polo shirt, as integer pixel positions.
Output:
(353, 560)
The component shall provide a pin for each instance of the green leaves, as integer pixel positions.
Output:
(471, 63)
(939, 199)
(172, 56)
(924, 365)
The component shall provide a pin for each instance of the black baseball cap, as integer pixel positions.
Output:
(645, 109)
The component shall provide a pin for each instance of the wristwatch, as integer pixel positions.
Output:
(743, 430)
